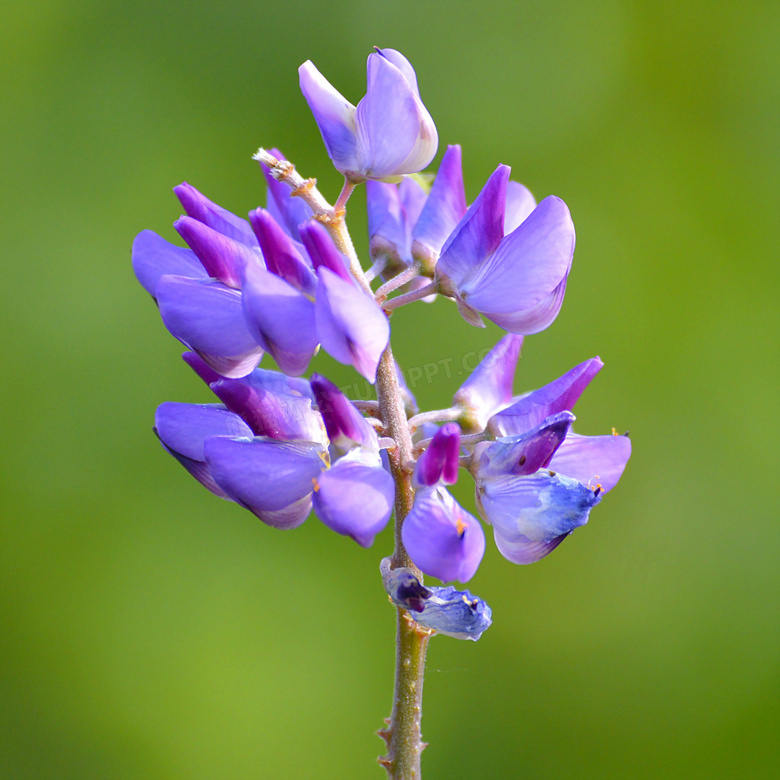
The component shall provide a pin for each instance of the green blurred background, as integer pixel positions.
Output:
(150, 630)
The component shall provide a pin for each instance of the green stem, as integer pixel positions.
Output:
(403, 735)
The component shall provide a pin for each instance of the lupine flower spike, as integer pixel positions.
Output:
(287, 282)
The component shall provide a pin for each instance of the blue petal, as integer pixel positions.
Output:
(531, 515)
(209, 213)
(596, 461)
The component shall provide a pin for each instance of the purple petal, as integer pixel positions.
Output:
(395, 132)
(207, 317)
(387, 227)
(525, 453)
(519, 204)
(223, 258)
(290, 212)
(531, 515)
(443, 210)
(596, 461)
(413, 198)
(529, 264)
(322, 250)
(335, 117)
(182, 429)
(200, 367)
(441, 538)
(532, 409)
(477, 235)
(354, 499)
(272, 405)
(352, 328)
(265, 475)
(154, 257)
(281, 319)
(346, 427)
(535, 319)
(199, 207)
(490, 385)
(439, 463)
(281, 254)
(400, 62)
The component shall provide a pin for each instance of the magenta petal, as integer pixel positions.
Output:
(478, 235)
(354, 499)
(439, 463)
(154, 257)
(558, 396)
(335, 117)
(322, 250)
(352, 327)
(441, 538)
(529, 264)
(281, 319)
(346, 427)
(207, 317)
(264, 475)
(596, 461)
(490, 385)
(199, 207)
(223, 258)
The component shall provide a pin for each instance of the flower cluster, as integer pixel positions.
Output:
(286, 282)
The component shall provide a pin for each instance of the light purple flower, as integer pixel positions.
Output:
(518, 279)
(389, 134)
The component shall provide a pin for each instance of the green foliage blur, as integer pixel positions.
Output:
(150, 630)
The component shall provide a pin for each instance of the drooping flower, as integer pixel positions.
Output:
(518, 279)
(442, 538)
(389, 134)
(455, 613)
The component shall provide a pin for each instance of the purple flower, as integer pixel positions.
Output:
(535, 497)
(442, 538)
(389, 134)
(518, 279)
(455, 613)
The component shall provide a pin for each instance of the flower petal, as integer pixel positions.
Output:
(529, 264)
(223, 221)
(182, 429)
(290, 212)
(354, 499)
(531, 515)
(346, 427)
(596, 461)
(352, 328)
(154, 257)
(477, 235)
(442, 538)
(207, 317)
(223, 257)
(264, 475)
(490, 385)
(439, 463)
(281, 319)
(323, 251)
(535, 319)
(533, 408)
(395, 132)
(443, 210)
(335, 117)
(519, 204)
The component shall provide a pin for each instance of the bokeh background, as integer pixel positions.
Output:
(150, 630)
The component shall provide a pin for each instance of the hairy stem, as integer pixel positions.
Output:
(403, 735)
(411, 297)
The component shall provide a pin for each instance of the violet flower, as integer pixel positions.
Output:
(518, 279)
(442, 538)
(389, 134)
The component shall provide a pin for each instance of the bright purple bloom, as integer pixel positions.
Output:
(438, 465)
(533, 408)
(489, 387)
(516, 280)
(389, 134)
(455, 613)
